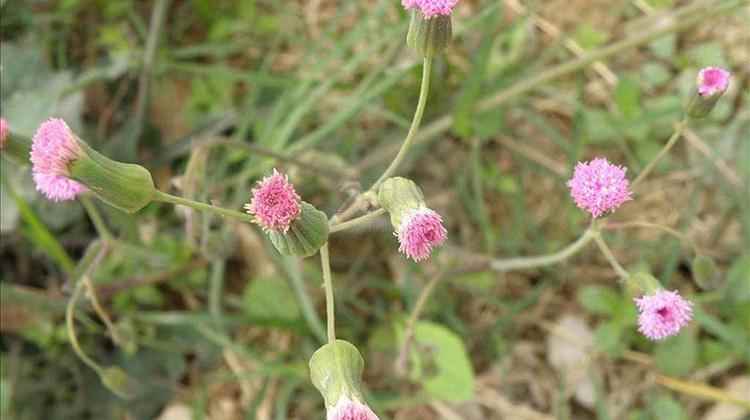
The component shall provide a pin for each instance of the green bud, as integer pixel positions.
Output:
(701, 106)
(429, 36)
(305, 235)
(642, 283)
(117, 381)
(398, 196)
(336, 371)
(705, 272)
(126, 186)
(17, 148)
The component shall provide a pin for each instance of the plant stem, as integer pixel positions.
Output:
(415, 123)
(69, 323)
(679, 128)
(96, 219)
(173, 199)
(666, 229)
(100, 311)
(610, 257)
(328, 286)
(367, 218)
(544, 260)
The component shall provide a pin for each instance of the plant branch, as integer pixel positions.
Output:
(362, 220)
(621, 272)
(328, 286)
(509, 264)
(679, 128)
(173, 199)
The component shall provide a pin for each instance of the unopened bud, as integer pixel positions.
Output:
(399, 196)
(711, 83)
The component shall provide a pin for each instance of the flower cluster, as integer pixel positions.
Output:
(421, 230)
(431, 8)
(3, 132)
(712, 81)
(53, 150)
(663, 314)
(346, 409)
(599, 187)
(274, 203)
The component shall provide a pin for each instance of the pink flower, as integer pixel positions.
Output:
(347, 409)
(420, 230)
(712, 81)
(53, 149)
(599, 187)
(3, 132)
(431, 8)
(274, 203)
(663, 314)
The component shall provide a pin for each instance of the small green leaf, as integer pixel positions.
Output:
(628, 98)
(738, 280)
(705, 272)
(599, 300)
(270, 299)
(667, 408)
(440, 362)
(678, 355)
(608, 338)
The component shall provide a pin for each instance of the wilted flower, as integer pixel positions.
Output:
(274, 203)
(599, 187)
(3, 132)
(346, 409)
(663, 314)
(712, 81)
(421, 229)
(53, 150)
(431, 8)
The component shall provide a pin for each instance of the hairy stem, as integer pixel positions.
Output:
(362, 220)
(328, 286)
(610, 257)
(173, 199)
(415, 123)
(679, 128)
(509, 264)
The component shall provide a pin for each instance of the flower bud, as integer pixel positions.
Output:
(14, 146)
(119, 382)
(64, 166)
(712, 82)
(429, 36)
(418, 228)
(304, 235)
(336, 371)
(705, 272)
(126, 186)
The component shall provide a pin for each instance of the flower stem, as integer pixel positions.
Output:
(328, 286)
(367, 218)
(510, 264)
(679, 128)
(610, 257)
(70, 326)
(96, 219)
(173, 199)
(415, 123)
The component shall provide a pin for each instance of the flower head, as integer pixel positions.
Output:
(599, 187)
(54, 148)
(663, 314)
(431, 8)
(274, 203)
(346, 409)
(420, 230)
(712, 81)
(3, 132)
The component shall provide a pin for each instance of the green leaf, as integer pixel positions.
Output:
(440, 362)
(589, 37)
(667, 408)
(678, 355)
(608, 338)
(628, 98)
(738, 280)
(705, 272)
(270, 299)
(599, 300)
